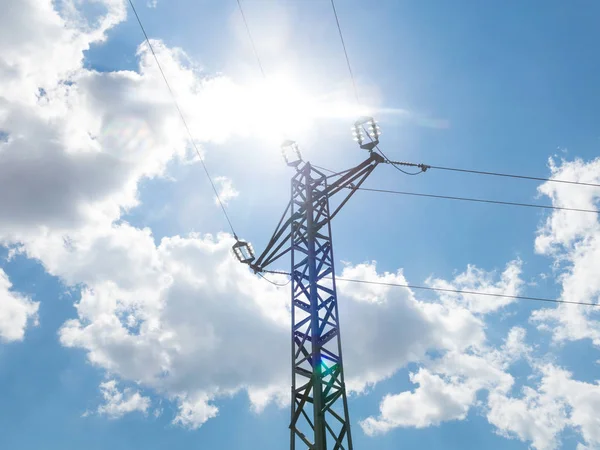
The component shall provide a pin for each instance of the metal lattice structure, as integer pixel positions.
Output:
(319, 416)
(317, 369)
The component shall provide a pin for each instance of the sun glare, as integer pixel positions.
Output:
(282, 108)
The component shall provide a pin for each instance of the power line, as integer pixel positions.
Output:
(477, 200)
(461, 291)
(183, 119)
(251, 39)
(337, 21)
(324, 168)
(425, 167)
(454, 291)
(272, 282)
(262, 71)
(395, 164)
(466, 199)
(508, 175)
(496, 174)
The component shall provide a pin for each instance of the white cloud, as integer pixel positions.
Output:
(16, 311)
(56, 174)
(477, 280)
(39, 48)
(181, 317)
(140, 316)
(541, 414)
(260, 398)
(73, 160)
(533, 417)
(186, 319)
(448, 386)
(75, 155)
(152, 3)
(573, 240)
(169, 325)
(225, 189)
(156, 314)
(193, 413)
(118, 403)
(563, 229)
(80, 141)
(434, 401)
(406, 327)
(81, 165)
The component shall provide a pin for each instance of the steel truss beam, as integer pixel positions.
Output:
(352, 178)
(320, 418)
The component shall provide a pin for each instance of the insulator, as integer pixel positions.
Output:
(243, 251)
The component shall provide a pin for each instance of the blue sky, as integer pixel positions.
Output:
(107, 216)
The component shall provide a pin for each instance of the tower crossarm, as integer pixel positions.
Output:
(347, 181)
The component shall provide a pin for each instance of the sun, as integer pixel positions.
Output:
(279, 107)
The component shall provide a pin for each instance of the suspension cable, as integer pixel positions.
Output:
(187, 128)
(260, 66)
(477, 200)
(425, 167)
(337, 21)
(454, 291)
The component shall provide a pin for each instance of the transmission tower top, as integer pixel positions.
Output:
(320, 418)
(366, 133)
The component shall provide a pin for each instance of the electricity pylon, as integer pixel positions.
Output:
(319, 416)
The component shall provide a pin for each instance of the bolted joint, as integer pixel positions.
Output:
(378, 158)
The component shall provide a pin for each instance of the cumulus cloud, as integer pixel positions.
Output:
(16, 311)
(406, 327)
(225, 189)
(187, 325)
(448, 386)
(543, 412)
(78, 142)
(118, 403)
(539, 413)
(194, 412)
(477, 280)
(573, 240)
(39, 47)
(185, 319)
(434, 401)
(180, 316)
(81, 165)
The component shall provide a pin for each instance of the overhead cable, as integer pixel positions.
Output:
(495, 174)
(396, 164)
(508, 175)
(477, 200)
(465, 199)
(251, 39)
(337, 21)
(187, 128)
(454, 291)
(273, 282)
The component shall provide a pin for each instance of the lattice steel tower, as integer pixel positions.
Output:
(319, 416)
